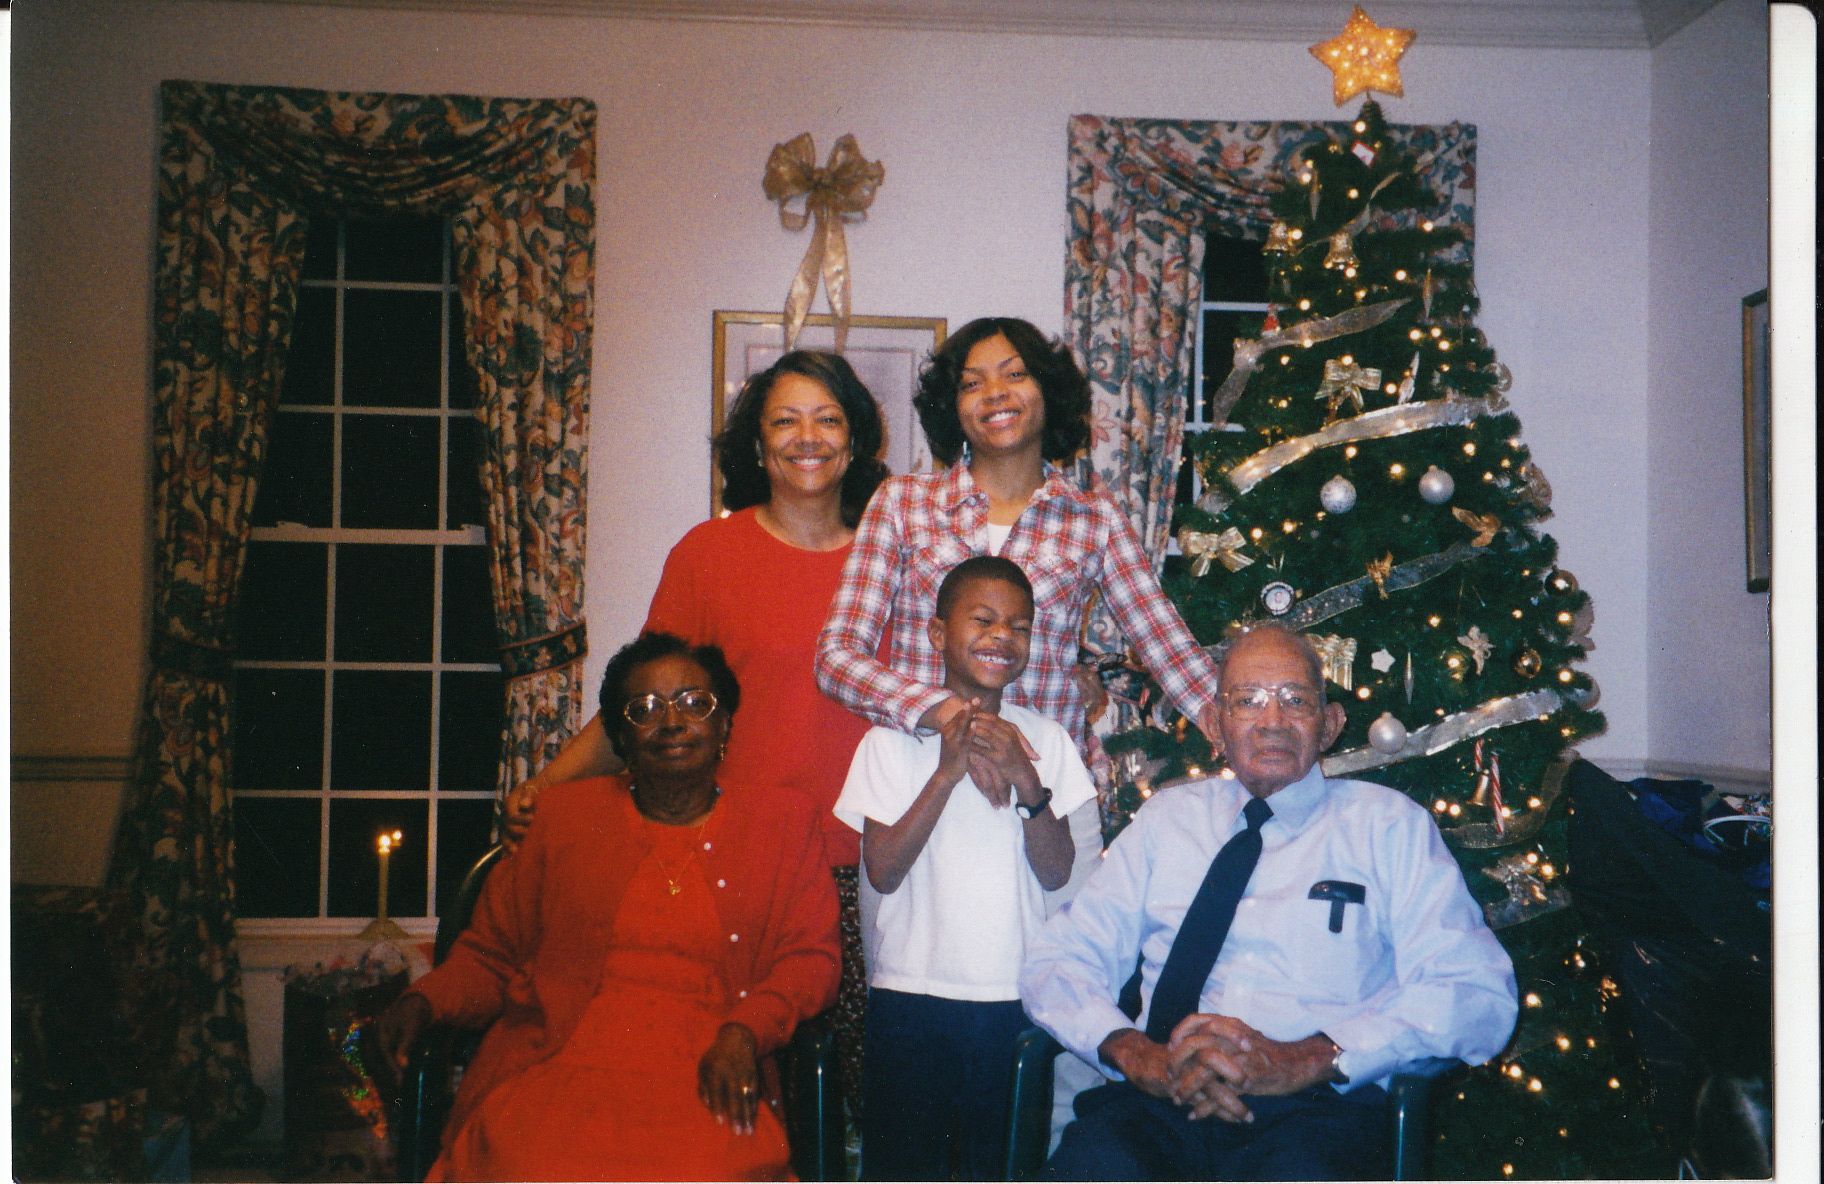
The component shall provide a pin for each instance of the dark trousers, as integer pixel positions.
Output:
(935, 1086)
(1319, 1134)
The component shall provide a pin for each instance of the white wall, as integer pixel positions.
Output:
(1706, 636)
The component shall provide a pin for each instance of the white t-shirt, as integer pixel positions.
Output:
(957, 925)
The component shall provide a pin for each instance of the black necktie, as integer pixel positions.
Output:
(1205, 926)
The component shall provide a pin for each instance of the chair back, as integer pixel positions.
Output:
(453, 916)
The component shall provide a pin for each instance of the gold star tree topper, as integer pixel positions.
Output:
(1364, 57)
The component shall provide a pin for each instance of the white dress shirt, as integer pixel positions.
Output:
(1412, 972)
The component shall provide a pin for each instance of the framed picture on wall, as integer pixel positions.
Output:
(886, 353)
(1756, 432)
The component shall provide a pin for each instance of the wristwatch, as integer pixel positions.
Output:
(1337, 1076)
(1032, 811)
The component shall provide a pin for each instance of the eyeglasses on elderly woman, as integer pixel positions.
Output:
(644, 712)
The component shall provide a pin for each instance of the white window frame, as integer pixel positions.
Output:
(336, 535)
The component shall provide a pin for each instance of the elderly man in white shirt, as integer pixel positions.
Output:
(1352, 946)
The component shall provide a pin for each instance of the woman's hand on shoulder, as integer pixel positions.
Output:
(728, 1078)
(516, 813)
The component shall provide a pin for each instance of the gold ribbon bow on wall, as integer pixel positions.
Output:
(840, 191)
(1203, 547)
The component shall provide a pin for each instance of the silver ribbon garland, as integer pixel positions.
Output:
(1454, 729)
(1248, 353)
(1340, 599)
(1374, 425)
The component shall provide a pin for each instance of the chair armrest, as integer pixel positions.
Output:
(424, 1095)
(1029, 1107)
(813, 1101)
(1410, 1092)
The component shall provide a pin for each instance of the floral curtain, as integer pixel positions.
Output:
(1142, 196)
(239, 170)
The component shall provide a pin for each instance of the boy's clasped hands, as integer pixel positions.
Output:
(993, 754)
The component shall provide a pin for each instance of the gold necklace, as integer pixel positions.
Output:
(672, 883)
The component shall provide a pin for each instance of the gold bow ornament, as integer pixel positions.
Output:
(1202, 548)
(1344, 380)
(1485, 526)
(1379, 570)
(1338, 657)
(839, 192)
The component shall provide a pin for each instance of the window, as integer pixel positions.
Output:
(1233, 303)
(367, 694)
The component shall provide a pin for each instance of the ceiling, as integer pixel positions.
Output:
(1599, 24)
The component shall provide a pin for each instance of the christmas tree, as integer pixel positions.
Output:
(1369, 487)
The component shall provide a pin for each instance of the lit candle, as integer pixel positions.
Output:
(386, 844)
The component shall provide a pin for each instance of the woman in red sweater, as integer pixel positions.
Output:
(651, 941)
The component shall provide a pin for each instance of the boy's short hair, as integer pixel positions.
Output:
(979, 567)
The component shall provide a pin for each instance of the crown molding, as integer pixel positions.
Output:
(1564, 24)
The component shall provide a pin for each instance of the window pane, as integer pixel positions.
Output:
(468, 606)
(391, 346)
(383, 730)
(277, 842)
(1219, 332)
(294, 487)
(284, 606)
(354, 859)
(465, 829)
(320, 248)
(389, 471)
(278, 729)
(469, 730)
(463, 392)
(383, 603)
(465, 504)
(310, 365)
(1233, 270)
(401, 250)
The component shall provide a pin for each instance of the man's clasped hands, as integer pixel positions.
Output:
(1210, 1061)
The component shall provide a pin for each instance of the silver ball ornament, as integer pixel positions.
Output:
(1338, 495)
(1436, 486)
(1387, 734)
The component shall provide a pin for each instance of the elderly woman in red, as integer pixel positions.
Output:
(649, 943)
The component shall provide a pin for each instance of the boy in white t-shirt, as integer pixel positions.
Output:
(958, 876)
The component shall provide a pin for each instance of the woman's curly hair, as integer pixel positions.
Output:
(1061, 382)
(744, 483)
(650, 647)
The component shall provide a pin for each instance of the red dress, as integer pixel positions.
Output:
(605, 988)
(730, 583)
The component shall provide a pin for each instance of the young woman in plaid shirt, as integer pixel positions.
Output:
(1004, 408)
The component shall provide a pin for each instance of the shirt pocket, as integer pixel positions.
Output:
(928, 562)
(1339, 965)
(1057, 582)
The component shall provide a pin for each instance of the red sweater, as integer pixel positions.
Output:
(730, 583)
(531, 958)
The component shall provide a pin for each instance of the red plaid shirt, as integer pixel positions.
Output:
(1069, 541)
